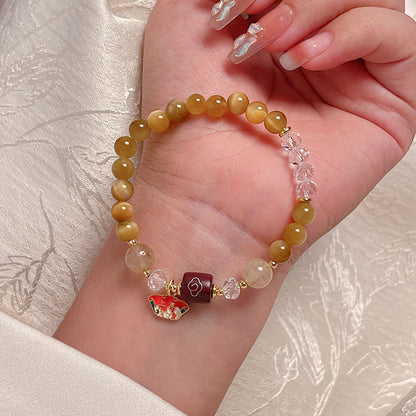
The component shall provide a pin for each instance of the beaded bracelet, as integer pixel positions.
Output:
(196, 286)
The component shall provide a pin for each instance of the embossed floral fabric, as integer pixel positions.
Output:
(341, 339)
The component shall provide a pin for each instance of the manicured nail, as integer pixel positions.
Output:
(305, 51)
(225, 11)
(268, 29)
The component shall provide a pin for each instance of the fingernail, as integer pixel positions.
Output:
(305, 51)
(268, 29)
(225, 11)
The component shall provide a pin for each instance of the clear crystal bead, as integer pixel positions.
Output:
(303, 171)
(290, 140)
(298, 155)
(306, 189)
(231, 288)
(157, 280)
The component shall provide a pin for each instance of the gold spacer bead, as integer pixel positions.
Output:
(243, 284)
(273, 264)
(306, 199)
(215, 291)
(147, 273)
(132, 243)
(172, 288)
(284, 131)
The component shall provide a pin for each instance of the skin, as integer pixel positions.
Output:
(212, 194)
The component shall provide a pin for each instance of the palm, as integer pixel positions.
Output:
(241, 174)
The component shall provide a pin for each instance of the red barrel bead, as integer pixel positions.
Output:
(196, 287)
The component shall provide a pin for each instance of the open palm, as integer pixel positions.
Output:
(227, 174)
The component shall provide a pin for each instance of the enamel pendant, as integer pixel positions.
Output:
(168, 307)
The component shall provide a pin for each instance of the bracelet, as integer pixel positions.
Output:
(196, 286)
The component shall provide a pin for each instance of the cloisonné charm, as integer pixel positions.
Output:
(168, 307)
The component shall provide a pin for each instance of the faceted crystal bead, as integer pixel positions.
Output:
(157, 280)
(298, 155)
(257, 273)
(231, 288)
(303, 171)
(139, 258)
(306, 189)
(290, 140)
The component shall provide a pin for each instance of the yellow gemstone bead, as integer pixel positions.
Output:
(216, 106)
(125, 147)
(237, 103)
(303, 213)
(257, 273)
(176, 110)
(127, 230)
(294, 234)
(158, 121)
(122, 189)
(196, 104)
(139, 130)
(140, 258)
(280, 251)
(275, 122)
(256, 112)
(123, 168)
(122, 211)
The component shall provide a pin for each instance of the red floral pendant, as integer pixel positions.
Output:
(168, 307)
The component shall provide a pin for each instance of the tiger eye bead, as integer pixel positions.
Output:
(237, 103)
(123, 168)
(176, 110)
(158, 121)
(122, 189)
(280, 251)
(122, 211)
(256, 112)
(216, 106)
(196, 104)
(294, 234)
(303, 213)
(127, 230)
(275, 122)
(125, 147)
(139, 130)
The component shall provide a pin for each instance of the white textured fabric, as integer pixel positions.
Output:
(46, 377)
(341, 339)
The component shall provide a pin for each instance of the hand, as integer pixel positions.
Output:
(357, 116)
(211, 194)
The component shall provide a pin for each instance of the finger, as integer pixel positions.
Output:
(372, 34)
(226, 11)
(293, 20)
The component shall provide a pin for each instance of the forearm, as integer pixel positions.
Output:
(189, 363)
